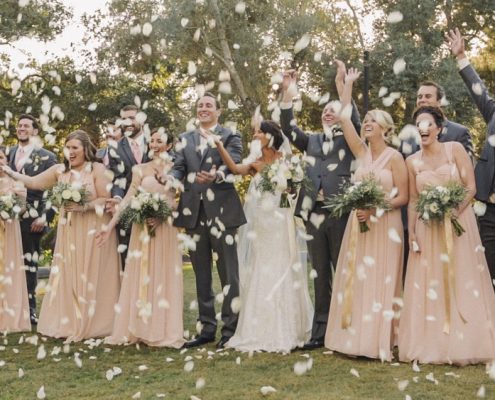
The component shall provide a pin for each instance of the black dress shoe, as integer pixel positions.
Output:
(313, 344)
(34, 318)
(199, 341)
(222, 342)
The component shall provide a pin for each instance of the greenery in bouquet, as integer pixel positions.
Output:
(63, 193)
(365, 194)
(143, 206)
(284, 175)
(11, 206)
(436, 201)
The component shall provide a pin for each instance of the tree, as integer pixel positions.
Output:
(235, 47)
(31, 18)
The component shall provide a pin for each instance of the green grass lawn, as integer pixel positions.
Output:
(149, 373)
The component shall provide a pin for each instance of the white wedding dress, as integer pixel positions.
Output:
(276, 311)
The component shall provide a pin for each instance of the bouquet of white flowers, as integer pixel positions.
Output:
(143, 206)
(365, 194)
(63, 193)
(435, 202)
(285, 175)
(11, 206)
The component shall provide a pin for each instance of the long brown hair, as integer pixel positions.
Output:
(88, 146)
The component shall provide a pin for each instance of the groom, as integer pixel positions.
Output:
(210, 210)
(332, 164)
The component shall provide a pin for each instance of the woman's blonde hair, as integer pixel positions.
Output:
(384, 119)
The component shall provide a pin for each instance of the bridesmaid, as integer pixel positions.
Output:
(84, 281)
(449, 302)
(154, 315)
(368, 275)
(14, 306)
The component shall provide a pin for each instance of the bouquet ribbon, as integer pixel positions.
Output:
(349, 281)
(449, 275)
(2, 255)
(56, 280)
(144, 265)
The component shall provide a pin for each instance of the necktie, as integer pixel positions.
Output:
(20, 159)
(136, 151)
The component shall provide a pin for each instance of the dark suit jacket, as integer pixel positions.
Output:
(225, 204)
(39, 161)
(485, 167)
(329, 171)
(121, 161)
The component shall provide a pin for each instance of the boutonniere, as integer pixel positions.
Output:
(35, 160)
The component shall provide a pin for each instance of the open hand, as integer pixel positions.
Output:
(352, 75)
(455, 42)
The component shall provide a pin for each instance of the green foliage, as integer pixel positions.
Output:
(42, 19)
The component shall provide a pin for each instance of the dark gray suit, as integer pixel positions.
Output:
(485, 168)
(121, 160)
(39, 161)
(325, 246)
(202, 208)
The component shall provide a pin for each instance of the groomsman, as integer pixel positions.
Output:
(485, 167)
(210, 210)
(431, 94)
(131, 150)
(332, 167)
(113, 134)
(31, 159)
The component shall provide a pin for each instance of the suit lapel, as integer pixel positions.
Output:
(12, 153)
(218, 131)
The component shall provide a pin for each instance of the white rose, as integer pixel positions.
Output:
(433, 207)
(5, 215)
(66, 194)
(76, 196)
(479, 208)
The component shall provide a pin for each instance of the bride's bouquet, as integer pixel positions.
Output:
(63, 193)
(284, 175)
(436, 202)
(11, 206)
(143, 206)
(365, 194)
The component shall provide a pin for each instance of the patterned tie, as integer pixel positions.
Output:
(136, 151)
(20, 159)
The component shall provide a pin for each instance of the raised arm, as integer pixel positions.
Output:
(238, 169)
(474, 84)
(287, 122)
(43, 181)
(179, 170)
(233, 148)
(340, 77)
(354, 141)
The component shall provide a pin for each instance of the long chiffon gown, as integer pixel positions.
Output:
(84, 282)
(362, 319)
(275, 309)
(151, 299)
(428, 333)
(14, 304)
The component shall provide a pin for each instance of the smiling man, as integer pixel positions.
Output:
(431, 94)
(31, 160)
(210, 210)
(131, 150)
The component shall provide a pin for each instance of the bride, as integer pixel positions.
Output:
(275, 307)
